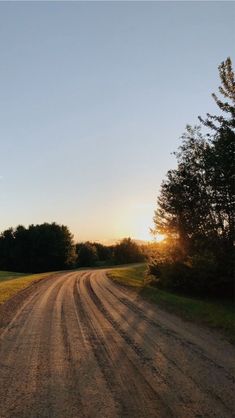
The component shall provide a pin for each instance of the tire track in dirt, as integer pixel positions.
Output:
(217, 399)
(94, 339)
(20, 347)
(134, 405)
(81, 347)
(134, 308)
(189, 346)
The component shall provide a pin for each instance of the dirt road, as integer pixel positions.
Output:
(81, 346)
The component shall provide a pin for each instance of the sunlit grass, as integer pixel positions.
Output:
(9, 275)
(132, 276)
(213, 313)
(12, 283)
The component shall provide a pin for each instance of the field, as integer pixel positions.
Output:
(11, 283)
(213, 313)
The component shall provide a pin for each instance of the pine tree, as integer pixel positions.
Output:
(227, 90)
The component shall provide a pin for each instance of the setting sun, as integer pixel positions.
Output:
(160, 237)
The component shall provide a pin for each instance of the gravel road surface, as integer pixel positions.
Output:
(79, 345)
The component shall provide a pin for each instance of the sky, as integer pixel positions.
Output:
(94, 97)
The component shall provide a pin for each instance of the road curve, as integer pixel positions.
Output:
(81, 346)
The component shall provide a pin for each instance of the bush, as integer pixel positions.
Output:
(86, 255)
(128, 252)
(176, 276)
(195, 275)
(154, 269)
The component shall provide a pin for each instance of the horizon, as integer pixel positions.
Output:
(76, 239)
(94, 99)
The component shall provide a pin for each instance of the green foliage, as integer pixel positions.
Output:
(127, 251)
(227, 90)
(38, 248)
(154, 269)
(104, 253)
(197, 201)
(95, 254)
(86, 254)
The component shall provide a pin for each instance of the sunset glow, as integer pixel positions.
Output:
(160, 237)
(95, 108)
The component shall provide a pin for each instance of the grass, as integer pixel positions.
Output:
(213, 313)
(12, 283)
(130, 276)
(9, 275)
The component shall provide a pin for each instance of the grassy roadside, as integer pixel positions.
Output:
(215, 314)
(12, 283)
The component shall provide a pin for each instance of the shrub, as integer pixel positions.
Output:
(86, 255)
(127, 251)
(195, 275)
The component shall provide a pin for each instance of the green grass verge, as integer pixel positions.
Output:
(215, 314)
(130, 276)
(12, 283)
(9, 275)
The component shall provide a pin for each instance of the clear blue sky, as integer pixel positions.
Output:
(93, 99)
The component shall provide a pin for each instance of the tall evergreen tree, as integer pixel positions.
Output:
(226, 105)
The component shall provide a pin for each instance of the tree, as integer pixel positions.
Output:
(227, 90)
(221, 162)
(127, 251)
(197, 200)
(104, 252)
(39, 248)
(86, 254)
(7, 249)
(184, 209)
(51, 247)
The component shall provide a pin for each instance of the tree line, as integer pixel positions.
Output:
(51, 247)
(96, 254)
(38, 248)
(195, 208)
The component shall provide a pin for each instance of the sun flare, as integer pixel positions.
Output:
(160, 237)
